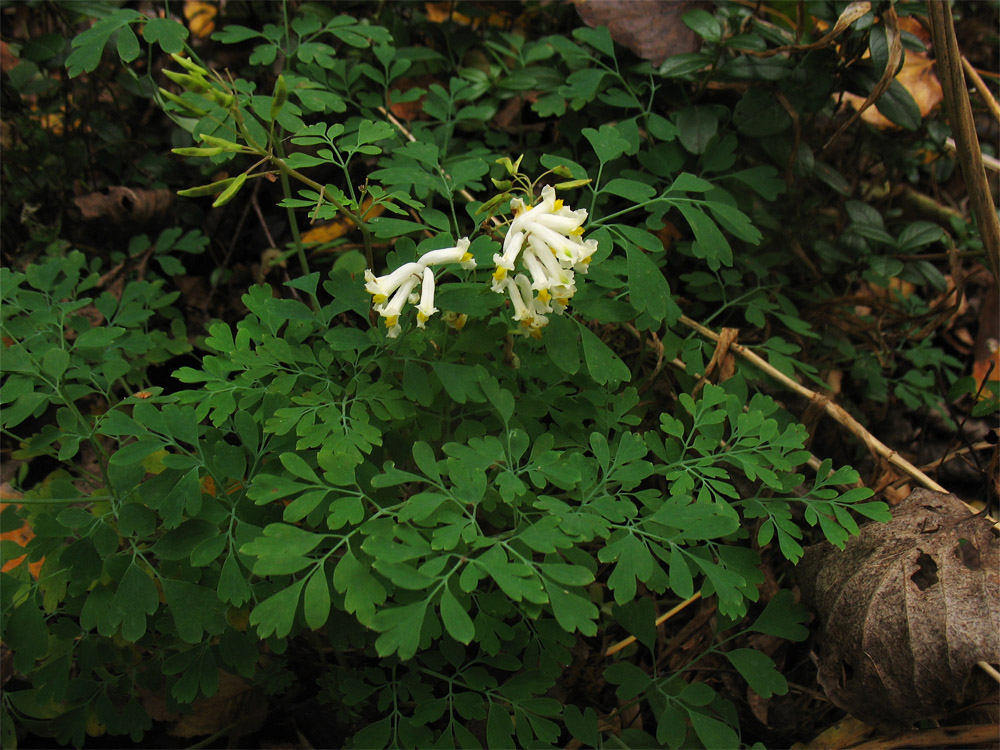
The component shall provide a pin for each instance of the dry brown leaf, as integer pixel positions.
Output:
(986, 368)
(908, 608)
(653, 30)
(200, 17)
(237, 707)
(20, 536)
(122, 204)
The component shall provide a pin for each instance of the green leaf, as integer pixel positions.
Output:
(316, 599)
(599, 39)
(166, 32)
(196, 609)
(128, 44)
(136, 597)
(460, 381)
(783, 618)
(363, 593)
(758, 114)
(573, 612)
(603, 364)
(55, 362)
(631, 680)
(712, 732)
(710, 243)
(562, 344)
(27, 635)
(648, 288)
(736, 222)
(606, 142)
(759, 671)
(456, 620)
(399, 629)
(898, 105)
(636, 191)
(386, 228)
(276, 614)
(704, 24)
(298, 467)
(499, 727)
(233, 587)
(697, 126)
(98, 338)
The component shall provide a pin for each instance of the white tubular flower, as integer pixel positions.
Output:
(522, 313)
(426, 307)
(540, 280)
(558, 275)
(458, 254)
(522, 217)
(568, 249)
(392, 310)
(535, 311)
(382, 287)
(512, 244)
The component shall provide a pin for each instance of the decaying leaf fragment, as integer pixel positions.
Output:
(907, 608)
(652, 30)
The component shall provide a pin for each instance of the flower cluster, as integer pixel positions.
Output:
(547, 238)
(392, 291)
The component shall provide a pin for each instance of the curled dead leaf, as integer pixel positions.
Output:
(907, 608)
(122, 204)
(653, 30)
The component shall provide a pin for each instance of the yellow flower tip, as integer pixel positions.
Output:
(421, 317)
(558, 204)
(544, 295)
(500, 274)
(564, 301)
(465, 258)
(536, 333)
(391, 320)
(586, 260)
(526, 322)
(378, 299)
(460, 322)
(578, 232)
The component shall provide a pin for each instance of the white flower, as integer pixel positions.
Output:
(555, 252)
(458, 254)
(400, 285)
(540, 280)
(382, 287)
(392, 310)
(426, 307)
(512, 244)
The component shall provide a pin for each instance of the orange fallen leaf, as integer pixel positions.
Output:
(19, 536)
(337, 228)
(200, 17)
(917, 76)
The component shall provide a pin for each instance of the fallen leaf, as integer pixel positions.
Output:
(332, 230)
(123, 204)
(238, 708)
(20, 536)
(907, 608)
(653, 30)
(986, 367)
(200, 17)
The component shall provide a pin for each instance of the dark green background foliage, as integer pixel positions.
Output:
(448, 515)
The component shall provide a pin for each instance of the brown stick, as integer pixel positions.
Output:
(981, 88)
(956, 99)
(837, 412)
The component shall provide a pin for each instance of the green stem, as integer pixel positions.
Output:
(287, 171)
(296, 236)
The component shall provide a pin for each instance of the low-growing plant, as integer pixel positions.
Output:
(452, 499)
